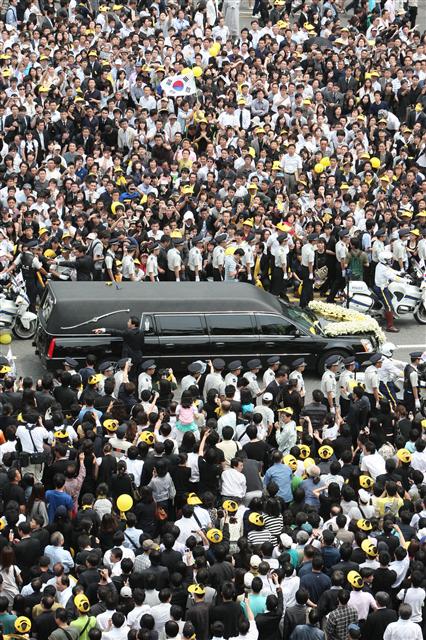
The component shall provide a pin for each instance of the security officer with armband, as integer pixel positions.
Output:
(347, 375)
(218, 260)
(308, 264)
(372, 382)
(329, 382)
(298, 367)
(411, 383)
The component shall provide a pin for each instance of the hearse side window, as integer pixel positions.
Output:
(148, 326)
(180, 325)
(274, 325)
(230, 324)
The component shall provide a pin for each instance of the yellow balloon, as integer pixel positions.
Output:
(375, 163)
(197, 71)
(325, 162)
(124, 502)
(319, 168)
(5, 338)
(214, 49)
(186, 71)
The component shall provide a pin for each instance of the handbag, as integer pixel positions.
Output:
(38, 457)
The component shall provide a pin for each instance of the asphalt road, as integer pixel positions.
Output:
(412, 337)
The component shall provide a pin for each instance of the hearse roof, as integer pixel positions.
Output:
(79, 301)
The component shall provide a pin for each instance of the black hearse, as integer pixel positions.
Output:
(183, 322)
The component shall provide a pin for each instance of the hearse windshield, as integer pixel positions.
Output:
(303, 317)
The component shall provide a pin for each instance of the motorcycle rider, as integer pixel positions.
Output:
(390, 370)
(383, 276)
(411, 383)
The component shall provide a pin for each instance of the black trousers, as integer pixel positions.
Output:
(31, 287)
(217, 276)
(307, 288)
(338, 285)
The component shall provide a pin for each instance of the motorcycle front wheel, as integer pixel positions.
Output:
(420, 314)
(22, 333)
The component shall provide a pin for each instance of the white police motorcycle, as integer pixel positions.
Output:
(408, 297)
(14, 304)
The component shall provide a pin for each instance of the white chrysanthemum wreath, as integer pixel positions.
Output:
(346, 321)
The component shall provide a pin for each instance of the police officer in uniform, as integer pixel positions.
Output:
(254, 367)
(218, 260)
(214, 379)
(110, 261)
(30, 264)
(376, 249)
(234, 368)
(145, 378)
(411, 383)
(273, 366)
(107, 371)
(308, 266)
(195, 371)
(346, 376)
(372, 381)
(174, 260)
(195, 259)
(152, 264)
(279, 272)
(298, 367)
(329, 382)
(70, 365)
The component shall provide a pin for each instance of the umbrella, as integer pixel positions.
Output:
(318, 42)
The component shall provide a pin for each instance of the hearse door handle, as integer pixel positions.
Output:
(270, 344)
(169, 345)
(219, 344)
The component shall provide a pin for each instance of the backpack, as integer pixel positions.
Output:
(98, 265)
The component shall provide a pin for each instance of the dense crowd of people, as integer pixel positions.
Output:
(161, 141)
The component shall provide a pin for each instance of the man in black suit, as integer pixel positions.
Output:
(416, 115)
(27, 550)
(132, 341)
(43, 138)
(86, 140)
(377, 621)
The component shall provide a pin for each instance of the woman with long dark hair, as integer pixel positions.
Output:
(10, 573)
